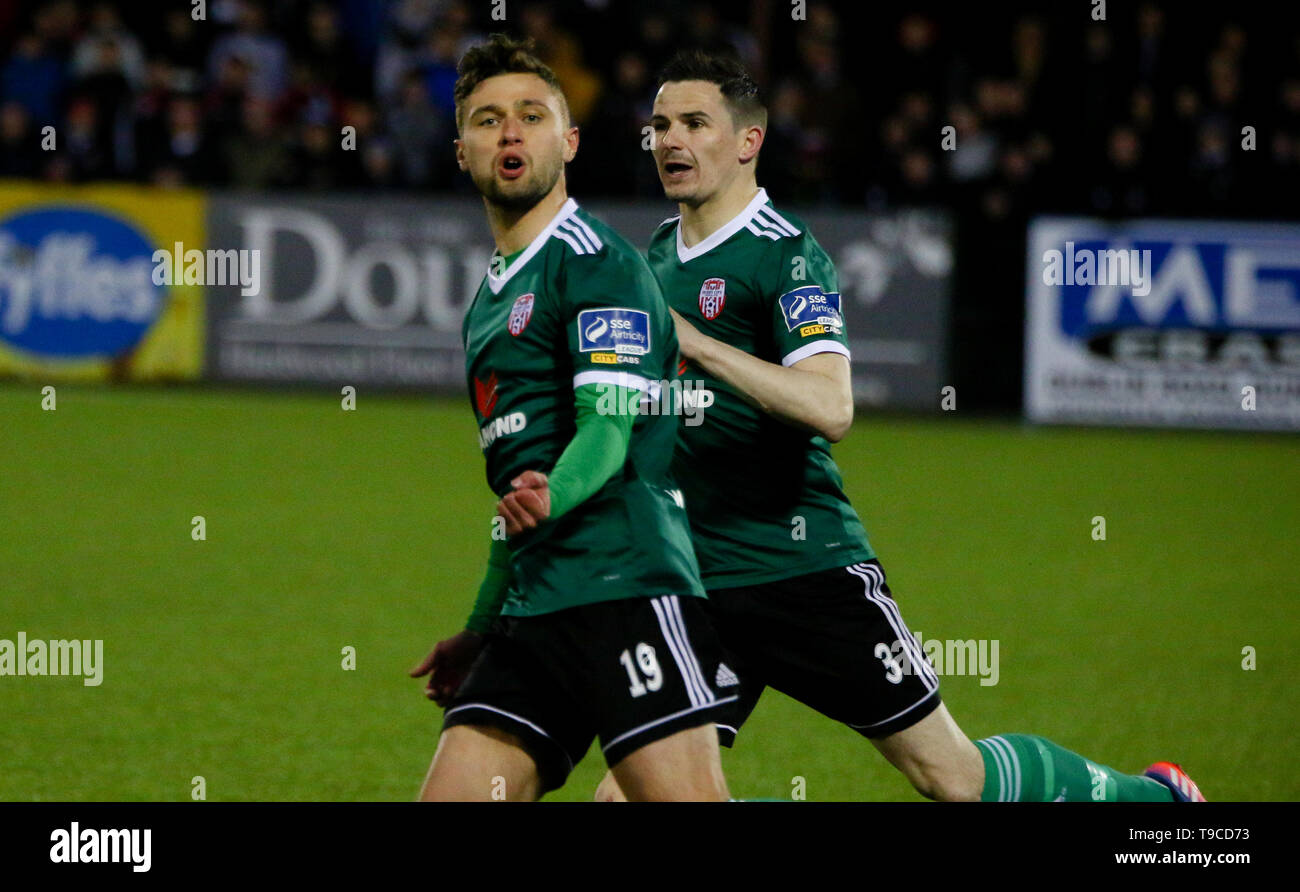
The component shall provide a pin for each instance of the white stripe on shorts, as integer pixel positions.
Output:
(679, 623)
(873, 579)
(699, 696)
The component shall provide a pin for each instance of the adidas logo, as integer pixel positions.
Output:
(725, 677)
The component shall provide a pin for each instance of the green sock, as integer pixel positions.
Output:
(1028, 768)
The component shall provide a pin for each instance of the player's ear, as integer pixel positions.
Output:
(570, 144)
(460, 153)
(751, 140)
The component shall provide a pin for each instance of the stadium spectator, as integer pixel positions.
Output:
(975, 154)
(313, 164)
(1140, 113)
(58, 24)
(185, 154)
(438, 68)
(781, 168)
(416, 131)
(20, 154)
(323, 52)
(655, 39)
(264, 52)
(107, 46)
(84, 155)
(258, 156)
(616, 124)
(562, 51)
(184, 46)
(33, 77)
(830, 110)
(104, 83)
(1120, 184)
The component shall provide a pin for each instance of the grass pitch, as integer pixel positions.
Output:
(368, 529)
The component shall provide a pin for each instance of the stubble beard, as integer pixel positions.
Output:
(691, 195)
(517, 196)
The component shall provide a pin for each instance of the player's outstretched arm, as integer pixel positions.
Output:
(604, 420)
(596, 452)
(450, 660)
(815, 393)
(448, 664)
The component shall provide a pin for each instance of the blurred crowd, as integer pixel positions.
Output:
(1141, 114)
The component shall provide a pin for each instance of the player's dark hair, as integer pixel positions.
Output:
(501, 54)
(739, 91)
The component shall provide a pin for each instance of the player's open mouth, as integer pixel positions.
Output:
(676, 170)
(511, 167)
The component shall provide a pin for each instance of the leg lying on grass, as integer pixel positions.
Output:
(943, 764)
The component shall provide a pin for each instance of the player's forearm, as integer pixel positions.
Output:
(807, 399)
(492, 591)
(598, 449)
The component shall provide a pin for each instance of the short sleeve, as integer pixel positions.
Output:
(807, 318)
(615, 322)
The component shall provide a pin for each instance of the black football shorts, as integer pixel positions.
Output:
(833, 640)
(629, 672)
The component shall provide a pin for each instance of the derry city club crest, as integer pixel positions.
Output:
(520, 313)
(713, 294)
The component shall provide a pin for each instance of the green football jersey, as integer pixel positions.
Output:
(579, 306)
(765, 499)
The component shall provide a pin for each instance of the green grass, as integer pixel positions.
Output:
(328, 528)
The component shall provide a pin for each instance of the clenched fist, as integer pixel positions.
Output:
(528, 505)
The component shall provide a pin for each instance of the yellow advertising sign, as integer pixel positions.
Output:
(79, 296)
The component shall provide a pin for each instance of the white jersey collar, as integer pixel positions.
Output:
(496, 283)
(722, 233)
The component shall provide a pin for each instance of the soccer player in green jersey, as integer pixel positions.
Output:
(589, 621)
(796, 592)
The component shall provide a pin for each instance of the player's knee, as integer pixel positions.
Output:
(948, 790)
(639, 781)
(658, 787)
(944, 783)
(948, 779)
